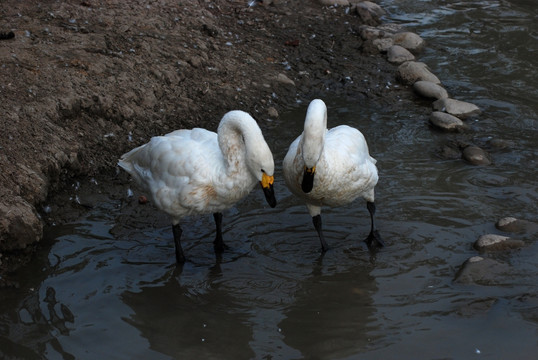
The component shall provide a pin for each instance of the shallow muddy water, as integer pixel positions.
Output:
(107, 286)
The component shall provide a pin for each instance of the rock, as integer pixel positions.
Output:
(500, 144)
(477, 307)
(449, 153)
(397, 54)
(481, 271)
(334, 2)
(367, 32)
(412, 71)
(476, 156)
(447, 122)
(390, 29)
(281, 78)
(20, 225)
(272, 112)
(409, 41)
(429, 89)
(492, 242)
(457, 108)
(383, 44)
(513, 225)
(369, 12)
(142, 200)
(196, 61)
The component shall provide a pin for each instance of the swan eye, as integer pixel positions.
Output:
(263, 171)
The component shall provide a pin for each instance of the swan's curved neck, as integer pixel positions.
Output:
(315, 128)
(236, 134)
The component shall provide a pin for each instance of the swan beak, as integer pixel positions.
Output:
(308, 179)
(267, 186)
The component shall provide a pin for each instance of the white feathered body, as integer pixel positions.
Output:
(344, 171)
(186, 172)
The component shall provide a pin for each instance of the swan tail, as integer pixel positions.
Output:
(128, 160)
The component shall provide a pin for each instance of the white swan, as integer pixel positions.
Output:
(331, 168)
(190, 172)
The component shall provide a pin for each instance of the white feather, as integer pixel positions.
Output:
(344, 168)
(196, 171)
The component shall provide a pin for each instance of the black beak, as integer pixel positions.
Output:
(269, 195)
(308, 179)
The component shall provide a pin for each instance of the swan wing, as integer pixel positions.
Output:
(178, 169)
(346, 169)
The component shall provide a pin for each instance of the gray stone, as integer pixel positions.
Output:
(492, 242)
(447, 122)
(367, 32)
(476, 156)
(334, 2)
(457, 108)
(369, 12)
(397, 54)
(391, 28)
(501, 144)
(272, 112)
(476, 307)
(383, 44)
(481, 271)
(20, 225)
(281, 78)
(513, 225)
(430, 90)
(449, 153)
(409, 40)
(412, 71)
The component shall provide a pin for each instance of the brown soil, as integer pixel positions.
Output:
(85, 81)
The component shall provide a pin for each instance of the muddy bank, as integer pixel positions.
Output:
(84, 81)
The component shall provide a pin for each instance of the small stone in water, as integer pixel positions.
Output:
(476, 156)
(497, 243)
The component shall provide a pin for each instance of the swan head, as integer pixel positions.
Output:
(315, 127)
(261, 164)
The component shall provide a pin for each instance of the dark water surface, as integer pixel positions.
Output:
(107, 288)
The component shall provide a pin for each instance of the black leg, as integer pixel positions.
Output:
(180, 257)
(373, 239)
(219, 244)
(317, 224)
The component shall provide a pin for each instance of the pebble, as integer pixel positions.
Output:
(281, 78)
(334, 2)
(513, 225)
(481, 271)
(476, 156)
(476, 307)
(447, 122)
(369, 12)
(367, 32)
(457, 108)
(397, 54)
(409, 40)
(501, 144)
(383, 44)
(142, 200)
(449, 153)
(272, 112)
(430, 90)
(492, 242)
(412, 71)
